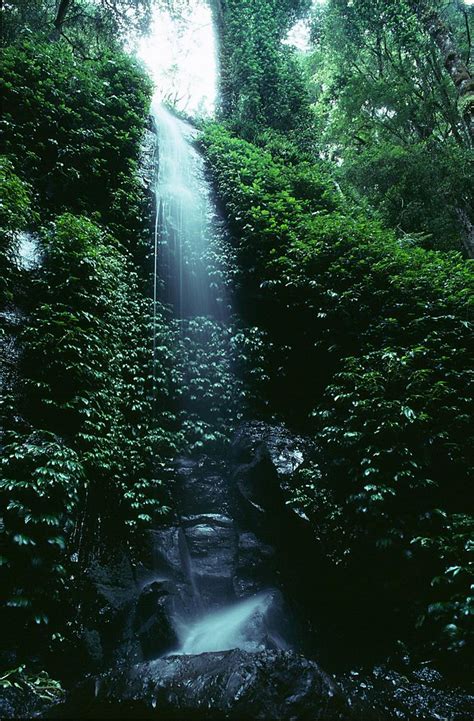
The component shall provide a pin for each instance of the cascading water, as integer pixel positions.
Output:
(190, 277)
(235, 626)
(192, 263)
(186, 231)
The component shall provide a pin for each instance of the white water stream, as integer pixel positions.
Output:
(190, 264)
(235, 626)
(186, 228)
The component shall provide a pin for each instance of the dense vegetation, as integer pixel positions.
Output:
(79, 445)
(386, 107)
(370, 354)
(344, 177)
(369, 330)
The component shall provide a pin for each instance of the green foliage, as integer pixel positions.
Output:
(15, 213)
(387, 110)
(416, 189)
(448, 616)
(214, 364)
(86, 368)
(87, 352)
(41, 685)
(261, 83)
(73, 128)
(88, 27)
(39, 491)
(15, 206)
(371, 343)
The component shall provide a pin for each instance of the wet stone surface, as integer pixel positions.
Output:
(420, 695)
(226, 685)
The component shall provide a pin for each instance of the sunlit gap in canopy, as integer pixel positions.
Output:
(180, 55)
(299, 35)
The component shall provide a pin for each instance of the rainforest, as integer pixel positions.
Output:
(236, 305)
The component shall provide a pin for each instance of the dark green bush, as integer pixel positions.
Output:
(73, 128)
(15, 215)
(371, 345)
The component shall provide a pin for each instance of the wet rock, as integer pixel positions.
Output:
(285, 450)
(212, 545)
(228, 685)
(201, 487)
(169, 565)
(154, 621)
(386, 695)
(166, 550)
(20, 703)
(109, 595)
(255, 567)
(265, 457)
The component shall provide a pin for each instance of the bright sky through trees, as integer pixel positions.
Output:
(181, 57)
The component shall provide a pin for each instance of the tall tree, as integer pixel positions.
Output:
(260, 82)
(87, 25)
(454, 63)
(390, 115)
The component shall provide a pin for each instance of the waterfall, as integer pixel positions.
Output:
(29, 254)
(238, 625)
(193, 265)
(186, 238)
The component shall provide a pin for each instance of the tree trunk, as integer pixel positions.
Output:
(468, 239)
(61, 13)
(453, 62)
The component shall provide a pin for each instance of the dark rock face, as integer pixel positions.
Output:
(226, 685)
(153, 621)
(255, 565)
(109, 594)
(264, 459)
(233, 537)
(201, 487)
(211, 555)
(212, 544)
(284, 450)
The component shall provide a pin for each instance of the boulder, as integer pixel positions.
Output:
(212, 545)
(264, 459)
(154, 621)
(255, 566)
(228, 685)
(109, 594)
(201, 486)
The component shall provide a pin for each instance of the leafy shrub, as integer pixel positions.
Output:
(15, 213)
(39, 491)
(88, 360)
(73, 129)
(370, 353)
(39, 686)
